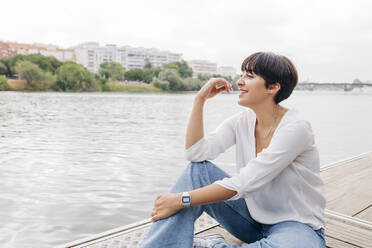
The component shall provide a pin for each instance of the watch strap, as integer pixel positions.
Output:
(186, 199)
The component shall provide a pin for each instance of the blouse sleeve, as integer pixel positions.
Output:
(291, 140)
(215, 143)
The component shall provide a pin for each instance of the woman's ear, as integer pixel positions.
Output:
(274, 88)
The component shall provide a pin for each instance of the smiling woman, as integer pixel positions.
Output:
(276, 199)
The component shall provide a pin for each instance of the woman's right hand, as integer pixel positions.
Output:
(210, 89)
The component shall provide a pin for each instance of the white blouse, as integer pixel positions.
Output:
(283, 182)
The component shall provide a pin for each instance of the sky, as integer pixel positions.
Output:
(328, 41)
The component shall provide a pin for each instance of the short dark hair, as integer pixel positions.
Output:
(273, 68)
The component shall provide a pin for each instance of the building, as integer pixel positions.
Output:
(226, 71)
(91, 55)
(202, 67)
(8, 49)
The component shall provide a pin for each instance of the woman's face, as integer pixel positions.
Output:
(252, 90)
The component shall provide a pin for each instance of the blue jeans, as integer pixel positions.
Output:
(178, 230)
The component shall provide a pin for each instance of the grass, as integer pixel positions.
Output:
(111, 87)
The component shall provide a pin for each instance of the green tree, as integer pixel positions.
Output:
(28, 71)
(42, 61)
(148, 65)
(3, 66)
(46, 63)
(112, 70)
(4, 83)
(74, 77)
(182, 68)
(174, 79)
(203, 77)
(156, 71)
(139, 75)
(193, 83)
(12, 62)
(164, 85)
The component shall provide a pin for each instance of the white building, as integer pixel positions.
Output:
(8, 49)
(202, 67)
(91, 55)
(226, 71)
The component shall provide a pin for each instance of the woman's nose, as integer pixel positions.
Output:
(240, 81)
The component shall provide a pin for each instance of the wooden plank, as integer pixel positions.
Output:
(347, 187)
(366, 214)
(335, 243)
(348, 233)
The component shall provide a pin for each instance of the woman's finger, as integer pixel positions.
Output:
(226, 85)
(156, 217)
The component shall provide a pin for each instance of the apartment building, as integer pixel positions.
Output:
(91, 55)
(226, 71)
(202, 67)
(8, 49)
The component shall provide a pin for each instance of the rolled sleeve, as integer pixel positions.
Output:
(287, 143)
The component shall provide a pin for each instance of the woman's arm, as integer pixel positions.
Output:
(195, 129)
(170, 203)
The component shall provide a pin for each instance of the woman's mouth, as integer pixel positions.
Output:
(241, 92)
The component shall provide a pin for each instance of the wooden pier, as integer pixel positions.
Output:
(348, 215)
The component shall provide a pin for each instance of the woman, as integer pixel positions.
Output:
(276, 199)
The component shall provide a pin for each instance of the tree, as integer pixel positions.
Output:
(164, 85)
(148, 65)
(4, 83)
(3, 67)
(42, 61)
(139, 75)
(203, 77)
(12, 62)
(156, 71)
(28, 71)
(193, 83)
(112, 70)
(182, 68)
(74, 77)
(174, 79)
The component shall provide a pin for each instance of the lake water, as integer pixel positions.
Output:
(77, 164)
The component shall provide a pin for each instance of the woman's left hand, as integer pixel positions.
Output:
(166, 205)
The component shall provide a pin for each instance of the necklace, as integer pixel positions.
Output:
(272, 125)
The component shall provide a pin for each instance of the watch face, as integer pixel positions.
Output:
(186, 199)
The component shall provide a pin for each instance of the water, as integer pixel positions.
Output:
(77, 164)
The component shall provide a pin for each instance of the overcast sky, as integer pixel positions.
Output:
(328, 41)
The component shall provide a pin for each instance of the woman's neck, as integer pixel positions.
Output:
(265, 115)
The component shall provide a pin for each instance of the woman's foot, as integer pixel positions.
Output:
(207, 241)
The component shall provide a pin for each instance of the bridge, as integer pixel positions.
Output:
(334, 86)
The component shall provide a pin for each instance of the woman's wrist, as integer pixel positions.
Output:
(199, 99)
(179, 201)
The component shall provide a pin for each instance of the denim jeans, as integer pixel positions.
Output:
(178, 230)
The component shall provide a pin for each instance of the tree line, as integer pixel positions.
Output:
(70, 76)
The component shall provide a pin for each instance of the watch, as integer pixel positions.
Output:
(186, 199)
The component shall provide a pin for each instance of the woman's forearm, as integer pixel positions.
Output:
(210, 194)
(195, 129)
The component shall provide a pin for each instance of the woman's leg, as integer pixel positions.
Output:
(178, 230)
(286, 234)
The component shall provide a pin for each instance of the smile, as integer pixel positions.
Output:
(241, 92)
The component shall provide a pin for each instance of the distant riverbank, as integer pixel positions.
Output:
(21, 85)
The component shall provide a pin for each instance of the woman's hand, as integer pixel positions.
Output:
(166, 205)
(210, 89)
